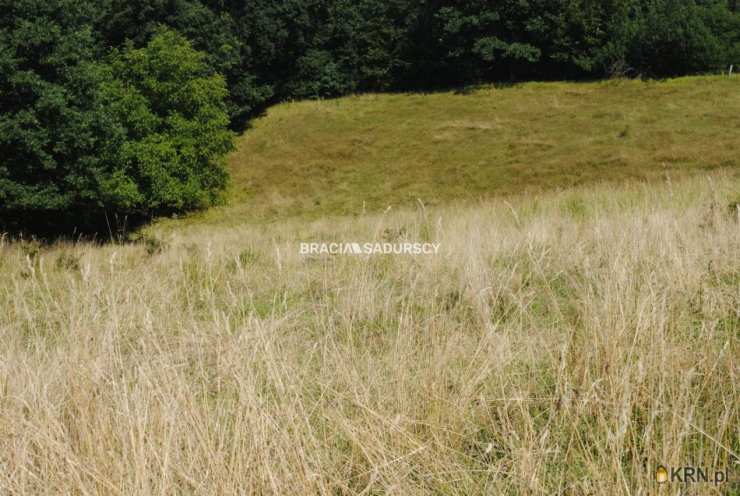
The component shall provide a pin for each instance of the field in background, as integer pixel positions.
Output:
(561, 344)
(365, 153)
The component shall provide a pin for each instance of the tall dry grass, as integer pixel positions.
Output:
(564, 344)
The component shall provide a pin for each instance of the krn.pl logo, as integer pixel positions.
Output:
(661, 475)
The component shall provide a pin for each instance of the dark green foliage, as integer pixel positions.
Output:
(135, 133)
(48, 106)
(672, 37)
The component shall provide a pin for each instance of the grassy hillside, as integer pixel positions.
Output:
(563, 345)
(369, 152)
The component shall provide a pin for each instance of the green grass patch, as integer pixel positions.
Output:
(365, 153)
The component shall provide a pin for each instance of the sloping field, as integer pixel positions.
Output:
(366, 153)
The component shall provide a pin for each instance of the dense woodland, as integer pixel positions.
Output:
(127, 107)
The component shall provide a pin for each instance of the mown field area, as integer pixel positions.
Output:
(580, 326)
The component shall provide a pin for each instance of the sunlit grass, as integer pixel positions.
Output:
(566, 344)
(580, 326)
(365, 153)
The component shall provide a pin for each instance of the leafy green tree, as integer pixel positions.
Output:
(168, 128)
(277, 37)
(86, 137)
(48, 84)
(367, 39)
(210, 27)
(672, 37)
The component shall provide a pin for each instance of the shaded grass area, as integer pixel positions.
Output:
(365, 153)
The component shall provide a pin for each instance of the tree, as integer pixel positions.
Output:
(168, 128)
(673, 37)
(211, 28)
(143, 132)
(48, 85)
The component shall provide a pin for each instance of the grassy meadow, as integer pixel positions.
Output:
(580, 326)
(313, 159)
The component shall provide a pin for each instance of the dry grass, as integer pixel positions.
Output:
(560, 345)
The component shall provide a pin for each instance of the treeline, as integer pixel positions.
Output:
(272, 50)
(121, 106)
